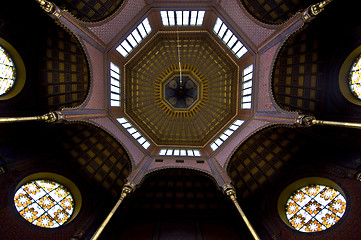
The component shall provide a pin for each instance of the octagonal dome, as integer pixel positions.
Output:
(216, 75)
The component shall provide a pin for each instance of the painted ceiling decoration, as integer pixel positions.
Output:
(169, 116)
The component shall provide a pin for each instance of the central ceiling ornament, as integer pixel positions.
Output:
(181, 105)
(181, 93)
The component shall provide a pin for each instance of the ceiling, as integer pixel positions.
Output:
(296, 71)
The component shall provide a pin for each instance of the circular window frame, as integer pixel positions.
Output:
(66, 182)
(19, 70)
(294, 186)
(344, 75)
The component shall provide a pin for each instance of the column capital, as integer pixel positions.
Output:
(47, 6)
(305, 121)
(315, 9)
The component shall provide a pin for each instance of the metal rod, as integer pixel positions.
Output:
(49, 117)
(231, 193)
(338, 124)
(127, 189)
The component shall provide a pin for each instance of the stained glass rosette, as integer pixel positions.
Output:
(315, 208)
(7, 72)
(355, 78)
(44, 203)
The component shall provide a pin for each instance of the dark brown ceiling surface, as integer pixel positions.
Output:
(275, 11)
(97, 154)
(90, 10)
(200, 57)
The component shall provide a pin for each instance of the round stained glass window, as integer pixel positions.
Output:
(315, 208)
(355, 78)
(7, 72)
(44, 203)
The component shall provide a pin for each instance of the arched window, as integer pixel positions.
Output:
(44, 203)
(315, 208)
(7, 72)
(355, 78)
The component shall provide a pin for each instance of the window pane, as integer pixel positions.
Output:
(122, 120)
(171, 18)
(232, 41)
(214, 146)
(122, 51)
(114, 103)
(193, 17)
(146, 145)
(218, 25)
(237, 47)
(179, 18)
(114, 67)
(222, 31)
(164, 17)
(197, 153)
(136, 36)
(114, 89)
(114, 82)
(136, 135)
(185, 17)
(132, 41)
(114, 96)
(142, 30)
(126, 46)
(218, 142)
(227, 36)
(147, 27)
(200, 17)
(241, 52)
(190, 152)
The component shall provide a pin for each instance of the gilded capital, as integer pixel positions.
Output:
(229, 190)
(314, 10)
(50, 117)
(305, 121)
(46, 6)
(127, 189)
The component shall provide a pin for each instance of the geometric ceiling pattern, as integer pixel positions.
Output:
(200, 59)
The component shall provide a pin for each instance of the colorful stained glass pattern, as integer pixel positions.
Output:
(7, 72)
(44, 203)
(355, 78)
(315, 208)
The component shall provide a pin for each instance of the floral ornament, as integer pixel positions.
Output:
(29, 214)
(337, 206)
(313, 226)
(45, 221)
(329, 193)
(298, 196)
(292, 208)
(46, 202)
(21, 200)
(312, 190)
(31, 189)
(313, 207)
(297, 221)
(61, 216)
(329, 219)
